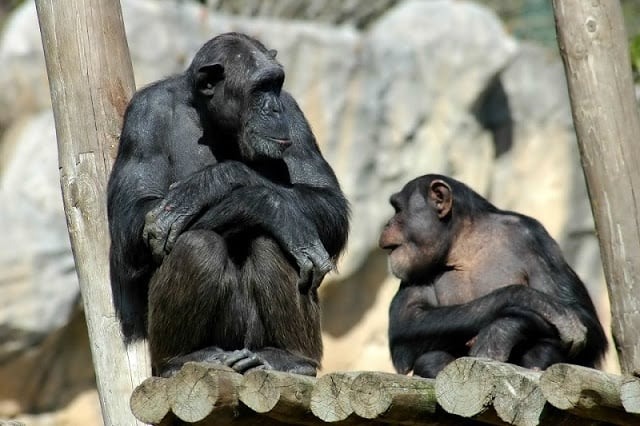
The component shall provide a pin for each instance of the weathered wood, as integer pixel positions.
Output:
(469, 386)
(330, 397)
(91, 82)
(630, 394)
(149, 402)
(199, 388)
(392, 397)
(593, 44)
(586, 392)
(279, 395)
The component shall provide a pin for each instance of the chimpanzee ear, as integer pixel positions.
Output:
(441, 197)
(208, 76)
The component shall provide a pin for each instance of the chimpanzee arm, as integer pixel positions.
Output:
(312, 199)
(139, 178)
(416, 327)
(273, 212)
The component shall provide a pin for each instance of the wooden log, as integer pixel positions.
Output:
(330, 400)
(586, 392)
(630, 394)
(91, 82)
(392, 397)
(200, 388)
(279, 395)
(469, 387)
(149, 402)
(594, 49)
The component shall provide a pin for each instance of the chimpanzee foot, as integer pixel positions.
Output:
(241, 360)
(244, 360)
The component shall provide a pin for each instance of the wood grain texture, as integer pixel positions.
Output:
(91, 82)
(594, 49)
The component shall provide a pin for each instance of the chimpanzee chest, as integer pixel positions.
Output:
(190, 158)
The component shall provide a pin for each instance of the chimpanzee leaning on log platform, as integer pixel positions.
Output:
(480, 281)
(224, 216)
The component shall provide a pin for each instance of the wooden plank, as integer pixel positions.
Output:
(392, 397)
(200, 388)
(91, 82)
(593, 44)
(330, 397)
(586, 392)
(476, 388)
(630, 394)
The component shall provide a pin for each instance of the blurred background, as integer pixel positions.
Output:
(393, 89)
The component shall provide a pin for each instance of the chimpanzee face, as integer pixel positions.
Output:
(265, 132)
(417, 234)
(243, 92)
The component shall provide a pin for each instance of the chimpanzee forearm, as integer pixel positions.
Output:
(421, 322)
(498, 339)
(416, 328)
(328, 209)
(279, 217)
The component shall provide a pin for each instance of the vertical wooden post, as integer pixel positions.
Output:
(91, 82)
(593, 44)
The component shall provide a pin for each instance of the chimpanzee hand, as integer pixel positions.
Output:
(571, 329)
(165, 222)
(573, 333)
(313, 262)
(497, 339)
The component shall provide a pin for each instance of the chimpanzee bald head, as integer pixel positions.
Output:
(238, 81)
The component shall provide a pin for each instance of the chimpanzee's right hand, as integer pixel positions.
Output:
(165, 222)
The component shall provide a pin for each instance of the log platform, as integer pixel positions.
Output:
(469, 391)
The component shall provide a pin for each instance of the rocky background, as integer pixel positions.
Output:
(393, 89)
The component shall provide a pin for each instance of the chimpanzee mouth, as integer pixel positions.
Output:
(284, 142)
(391, 247)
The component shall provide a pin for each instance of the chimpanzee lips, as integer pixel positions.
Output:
(285, 142)
(391, 247)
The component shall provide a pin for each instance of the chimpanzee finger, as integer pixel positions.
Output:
(305, 267)
(321, 263)
(245, 364)
(175, 229)
(318, 275)
(231, 357)
(572, 332)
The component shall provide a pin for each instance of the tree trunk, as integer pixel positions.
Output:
(593, 44)
(91, 82)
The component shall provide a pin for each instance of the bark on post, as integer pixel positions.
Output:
(91, 82)
(593, 44)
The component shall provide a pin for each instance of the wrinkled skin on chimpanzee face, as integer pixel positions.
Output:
(415, 236)
(243, 96)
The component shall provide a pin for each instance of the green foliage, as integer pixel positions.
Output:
(634, 50)
(634, 47)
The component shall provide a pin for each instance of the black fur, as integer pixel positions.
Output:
(521, 303)
(224, 215)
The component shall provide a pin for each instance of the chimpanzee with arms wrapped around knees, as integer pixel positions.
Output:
(224, 216)
(480, 281)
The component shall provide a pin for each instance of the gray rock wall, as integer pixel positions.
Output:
(429, 86)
